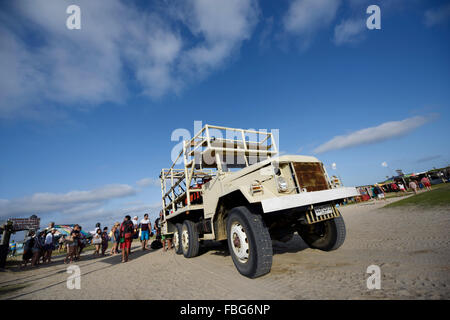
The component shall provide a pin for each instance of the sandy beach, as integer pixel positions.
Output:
(411, 245)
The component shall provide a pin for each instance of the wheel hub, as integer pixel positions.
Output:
(176, 241)
(239, 242)
(185, 240)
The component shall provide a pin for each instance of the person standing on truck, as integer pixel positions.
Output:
(146, 226)
(126, 237)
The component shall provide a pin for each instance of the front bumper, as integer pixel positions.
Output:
(307, 198)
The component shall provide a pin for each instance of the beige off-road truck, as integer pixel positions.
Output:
(234, 188)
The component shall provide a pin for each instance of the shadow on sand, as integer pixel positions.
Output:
(13, 285)
(87, 259)
(135, 253)
(296, 244)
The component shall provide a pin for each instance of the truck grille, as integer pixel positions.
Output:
(310, 175)
(312, 218)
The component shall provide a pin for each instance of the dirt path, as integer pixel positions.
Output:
(410, 245)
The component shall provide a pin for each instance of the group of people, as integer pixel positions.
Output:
(38, 246)
(74, 243)
(123, 235)
(378, 192)
(416, 184)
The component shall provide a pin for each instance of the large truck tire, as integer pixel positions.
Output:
(327, 235)
(249, 242)
(177, 239)
(189, 239)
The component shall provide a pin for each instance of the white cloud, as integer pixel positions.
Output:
(437, 16)
(67, 203)
(305, 17)
(349, 31)
(145, 182)
(163, 49)
(223, 25)
(385, 131)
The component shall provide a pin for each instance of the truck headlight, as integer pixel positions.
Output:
(282, 184)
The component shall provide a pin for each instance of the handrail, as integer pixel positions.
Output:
(202, 143)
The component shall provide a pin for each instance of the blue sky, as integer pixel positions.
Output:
(86, 116)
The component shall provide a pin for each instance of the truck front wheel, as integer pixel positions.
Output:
(189, 239)
(177, 239)
(327, 235)
(249, 242)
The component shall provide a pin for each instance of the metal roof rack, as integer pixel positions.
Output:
(213, 150)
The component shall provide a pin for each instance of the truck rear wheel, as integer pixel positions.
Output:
(189, 239)
(327, 235)
(249, 242)
(177, 239)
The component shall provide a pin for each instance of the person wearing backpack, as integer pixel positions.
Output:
(126, 237)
